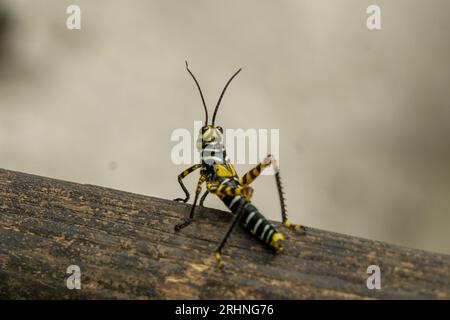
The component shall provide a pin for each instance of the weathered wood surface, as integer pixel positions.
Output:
(126, 248)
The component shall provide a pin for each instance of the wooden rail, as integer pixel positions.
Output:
(126, 248)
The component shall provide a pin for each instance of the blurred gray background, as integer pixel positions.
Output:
(364, 116)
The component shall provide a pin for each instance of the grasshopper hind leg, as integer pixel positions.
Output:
(285, 221)
(237, 217)
(254, 173)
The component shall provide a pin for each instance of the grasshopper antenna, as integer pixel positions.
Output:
(221, 96)
(200, 90)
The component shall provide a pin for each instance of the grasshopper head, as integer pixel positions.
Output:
(209, 135)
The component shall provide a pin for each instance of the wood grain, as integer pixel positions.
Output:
(126, 248)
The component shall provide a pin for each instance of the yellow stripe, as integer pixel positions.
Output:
(233, 171)
(185, 173)
(204, 136)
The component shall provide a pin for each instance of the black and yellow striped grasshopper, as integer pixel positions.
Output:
(221, 179)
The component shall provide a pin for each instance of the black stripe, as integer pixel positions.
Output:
(249, 208)
(254, 220)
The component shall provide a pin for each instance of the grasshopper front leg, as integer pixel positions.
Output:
(183, 175)
(198, 190)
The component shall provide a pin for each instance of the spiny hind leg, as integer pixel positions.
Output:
(188, 221)
(251, 175)
(254, 173)
(222, 189)
(284, 217)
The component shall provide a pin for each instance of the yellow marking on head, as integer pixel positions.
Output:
(199, 143)
(205, 134)
(210, 134)
(203, 137)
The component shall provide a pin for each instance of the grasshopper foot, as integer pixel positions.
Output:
(276, 242)
(180, 226)
(294, 227)
(219, 259)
